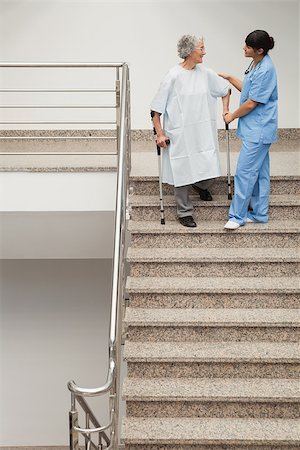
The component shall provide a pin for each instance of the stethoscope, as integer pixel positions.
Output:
(250, 67)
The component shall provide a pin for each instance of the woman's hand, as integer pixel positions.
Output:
(161, 140)
(228, 117)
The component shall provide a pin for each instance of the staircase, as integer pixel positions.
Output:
(212, 325)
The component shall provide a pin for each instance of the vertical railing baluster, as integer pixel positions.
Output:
(118, 103)
(73, 422)
(100, 446)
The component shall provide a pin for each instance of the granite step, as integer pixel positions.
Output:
(240, 292)
(230, 285)
(210, 433)
(212, 397)
(212, 325)
(259, 352)
(214, 262)
(276, 233)
(148, 185)
(146, 207)
(212, 359)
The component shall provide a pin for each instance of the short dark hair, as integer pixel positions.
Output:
(260, 39)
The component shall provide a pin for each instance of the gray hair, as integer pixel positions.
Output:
(186, 45)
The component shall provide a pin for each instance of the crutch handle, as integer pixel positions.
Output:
(158, 147)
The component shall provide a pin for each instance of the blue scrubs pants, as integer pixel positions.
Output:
(251, 184)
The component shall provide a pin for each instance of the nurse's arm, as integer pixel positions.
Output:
(243, 110)
(232, 80)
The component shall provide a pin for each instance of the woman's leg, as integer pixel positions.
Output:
(204, 184)
(184, 204)
(250, 162)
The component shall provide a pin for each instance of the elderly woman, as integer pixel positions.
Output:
(187, 98)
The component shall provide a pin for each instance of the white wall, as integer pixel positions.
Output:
(145, 33)
(56, 235)
(54, 318)
(64, 191)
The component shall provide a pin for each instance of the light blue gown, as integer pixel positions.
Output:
(188, 101)
(257, 130)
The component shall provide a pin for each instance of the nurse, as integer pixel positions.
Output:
(257, 128)
(187, 98)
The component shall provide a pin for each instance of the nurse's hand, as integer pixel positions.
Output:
(161, 141)
(228, 117)
(224, 75)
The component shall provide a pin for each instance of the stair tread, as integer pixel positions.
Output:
(210, 431)
(218, 200)
(212, 317)
(212, 352)
(172, 226)
(213, 254)
(223, 178)
(211, 389)
(213, 285)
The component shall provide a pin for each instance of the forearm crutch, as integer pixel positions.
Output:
(158, 149)
(228, 155)
(228, 162)
(162, 210)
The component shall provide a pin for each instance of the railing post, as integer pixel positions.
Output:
(88, 436)
(73, 422)
(118, 102)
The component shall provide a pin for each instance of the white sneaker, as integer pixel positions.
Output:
(231, 225)
(248, 220)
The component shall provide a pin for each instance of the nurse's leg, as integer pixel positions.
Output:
(184, 204)
(260, 197)
(249, 164)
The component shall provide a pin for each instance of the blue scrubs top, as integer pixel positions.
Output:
(260, 85)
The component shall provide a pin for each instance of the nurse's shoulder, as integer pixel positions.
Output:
(266, 65)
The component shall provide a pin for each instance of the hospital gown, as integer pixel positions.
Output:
(188, 101)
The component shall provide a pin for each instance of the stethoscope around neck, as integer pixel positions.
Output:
(250, 67)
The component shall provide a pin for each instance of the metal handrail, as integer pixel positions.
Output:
(112, 383)
(122, 122)
(56, 65)
(61, 65)
(82, 402)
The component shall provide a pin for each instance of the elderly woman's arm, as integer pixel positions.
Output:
(225, 101)
(161, 138)
(232, 80)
